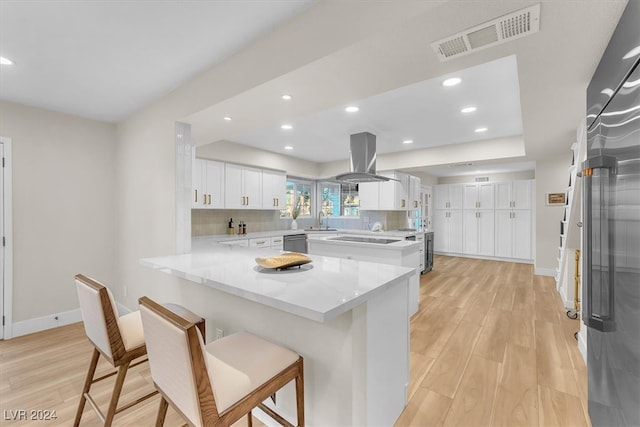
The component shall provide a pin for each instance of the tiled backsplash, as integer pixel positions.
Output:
(205, 222)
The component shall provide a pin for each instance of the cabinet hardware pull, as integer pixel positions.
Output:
(196, 201)
(209, 198)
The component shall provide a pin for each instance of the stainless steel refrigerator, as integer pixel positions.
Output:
(611, 231)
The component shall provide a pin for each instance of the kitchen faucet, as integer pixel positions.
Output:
(320, 215)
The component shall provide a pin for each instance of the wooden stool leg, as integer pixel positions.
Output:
(162, 411)
(87, 385)
(249, 420)
(117, 388)
(300, 393)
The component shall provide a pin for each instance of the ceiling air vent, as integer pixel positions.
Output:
(459, 165)
(482, 179)
(500, 30)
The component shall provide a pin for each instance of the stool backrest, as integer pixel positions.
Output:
(100, 317)
(178, 368)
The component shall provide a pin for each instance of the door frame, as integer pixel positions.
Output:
(6, 228)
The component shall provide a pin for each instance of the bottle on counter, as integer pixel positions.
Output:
(244, 228)
(230, 230)
(240, 227)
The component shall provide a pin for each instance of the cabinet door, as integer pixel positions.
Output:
(440, 231)
(521, 194)
(234, 197)
(504, 234)
(455, 196)
(369, 194)
(214, 190)
(522, 234)
(388, 199)
(455, 230)
(252, 186)
(486, 233)
(485, 196)
(198, 198)
(273, 189)
(402, 191)
(414, 192)
(470, 196)
(470, 232)
(503, 195)
(440, 196)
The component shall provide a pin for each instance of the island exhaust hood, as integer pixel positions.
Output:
(363, 160)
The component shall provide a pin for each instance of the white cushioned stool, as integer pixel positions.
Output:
(119, 339)
(216, 384)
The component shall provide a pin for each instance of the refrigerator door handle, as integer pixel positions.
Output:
(598, 295)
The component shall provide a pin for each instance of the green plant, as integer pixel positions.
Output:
(295, 210)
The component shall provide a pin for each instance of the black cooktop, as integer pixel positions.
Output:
(359, 239)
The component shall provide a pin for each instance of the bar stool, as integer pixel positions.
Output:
(216, 384)
(120, 340)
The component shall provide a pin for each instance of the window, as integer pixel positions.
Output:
(298, 190)
(339, 199)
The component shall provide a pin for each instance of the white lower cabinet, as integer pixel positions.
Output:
(447, 227)
(239, 242)
(478, 232)
(264, 242)
(277, 242)
(513, 234)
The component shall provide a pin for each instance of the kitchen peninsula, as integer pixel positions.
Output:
(347, 318)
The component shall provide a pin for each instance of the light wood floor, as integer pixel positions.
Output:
(491, 345)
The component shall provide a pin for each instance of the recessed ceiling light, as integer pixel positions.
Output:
(452, 81)
(286, 127)
(286, 97)
(633, 52)
(5, 61)
(288, 147)
(352, 109)
(481, 130)
(408, 141)
(469, 109)
(227, 118)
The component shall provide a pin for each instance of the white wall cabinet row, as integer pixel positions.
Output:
(484, 219)
(218, 185)
(399, 194)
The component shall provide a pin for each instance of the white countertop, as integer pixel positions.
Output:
(320, 291)
(274, 233)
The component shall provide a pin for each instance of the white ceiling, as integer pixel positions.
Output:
(426, 113)
(108, 59)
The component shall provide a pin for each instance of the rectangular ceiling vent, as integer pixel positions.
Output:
(500, 30)
(482, 179)
(459, 165)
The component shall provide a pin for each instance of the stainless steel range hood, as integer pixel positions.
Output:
(363, 160)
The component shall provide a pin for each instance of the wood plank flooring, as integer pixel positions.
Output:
(490, 346)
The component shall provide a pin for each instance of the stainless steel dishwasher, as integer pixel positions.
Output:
(295, 243)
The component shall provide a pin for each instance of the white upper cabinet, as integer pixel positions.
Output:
(207, 184)
(274, 185)
(242, 187)
(513, 195)
(394, 195)
(448, 196)
(369, 193)
(478, 196)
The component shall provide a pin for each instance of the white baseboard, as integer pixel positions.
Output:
(545, 272)
(55, 320)
(488, 258)
(582, 346)
(46, 322)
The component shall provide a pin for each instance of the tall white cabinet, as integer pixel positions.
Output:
(484, 219)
